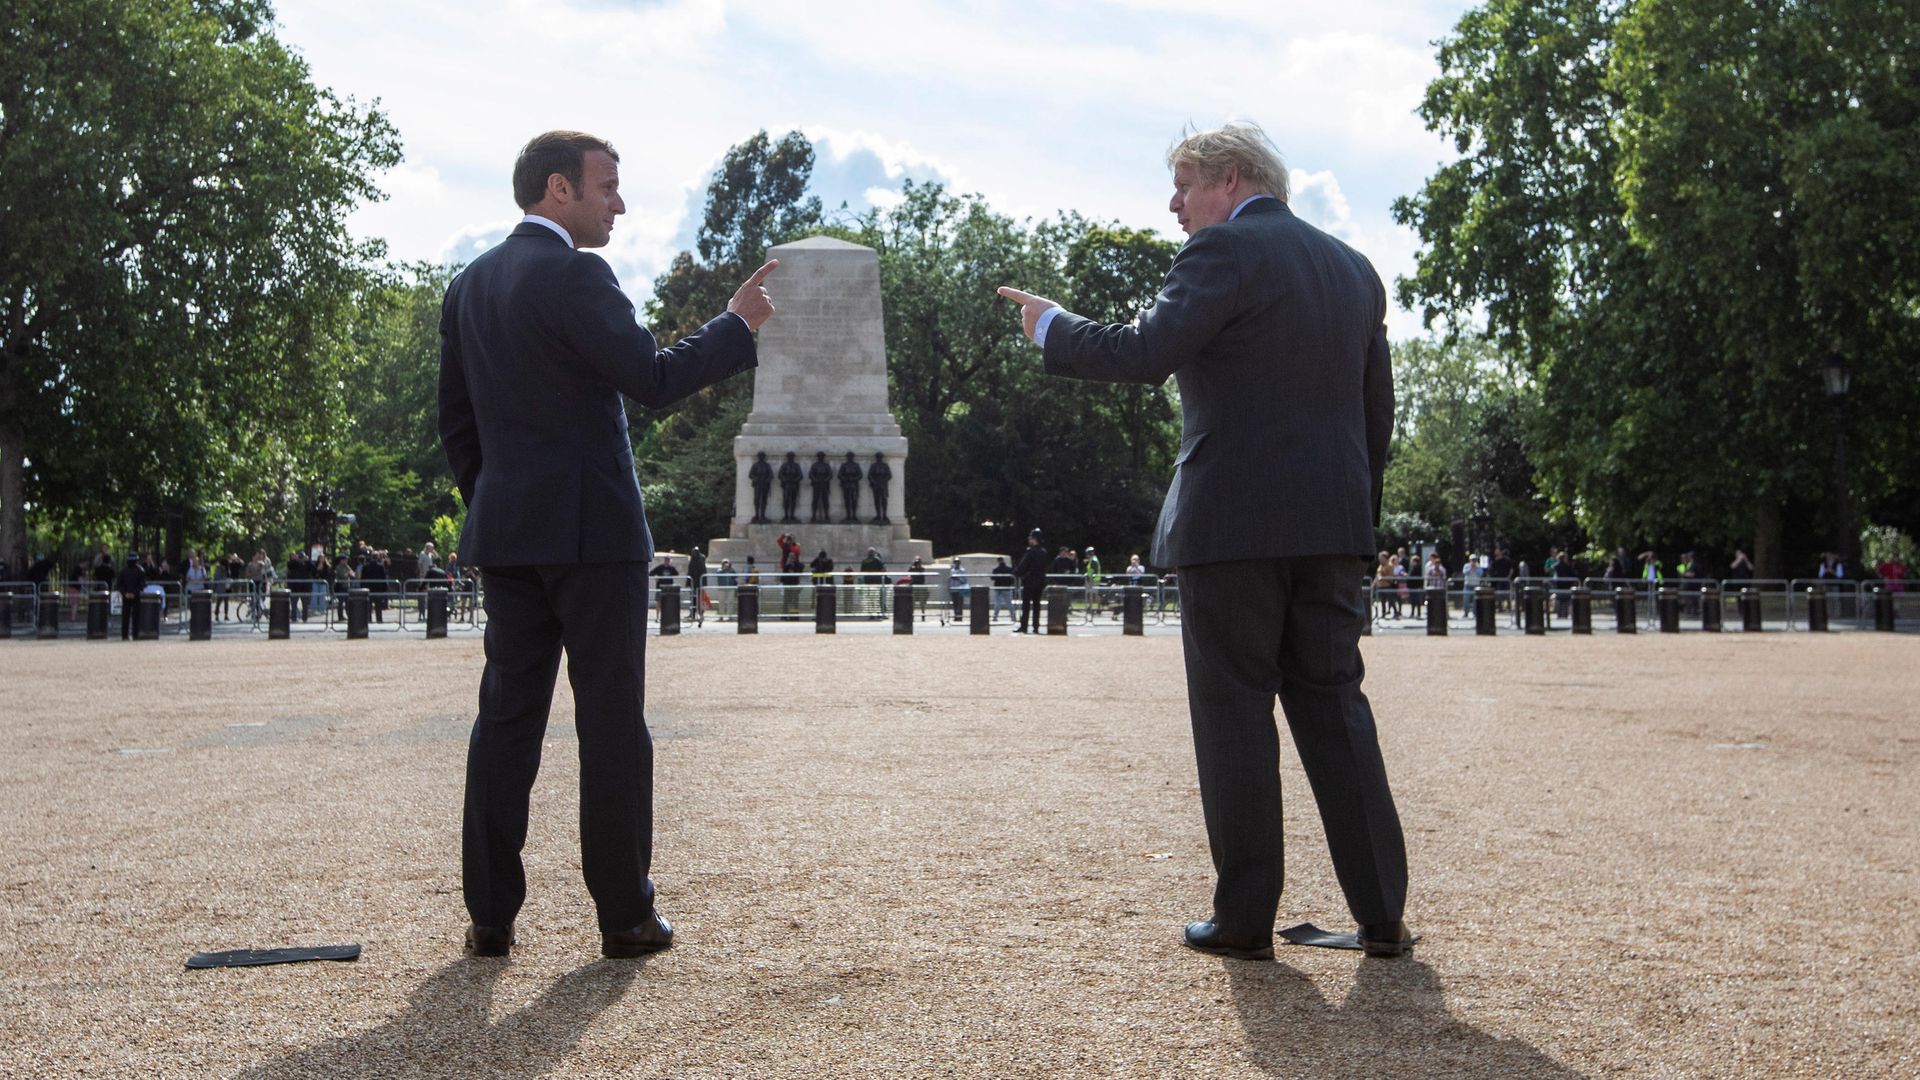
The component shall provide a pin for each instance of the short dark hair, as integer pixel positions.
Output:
(562, 152)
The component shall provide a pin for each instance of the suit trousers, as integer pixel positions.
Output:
(1030, 596)
(598, 614)
(1289, 627)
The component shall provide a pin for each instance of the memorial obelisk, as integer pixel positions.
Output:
(821, 387)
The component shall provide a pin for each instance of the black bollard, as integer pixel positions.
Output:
(49, 627)
(1436, 613)
(667, 599)
(98, 607)
(436, 612)
(747, 600)
(1625, 619)
(279, 615)
(1667, 602)
(1817, 610)
(359, 613)
(1752, 617)
(980, 613)
(1582, 610)
(1533, 601)
(146, 624)
(1133, 612)
(1059, 606)
(823, 609)
(199, 616)
(1883, 610)
(903, 609)
(6, 614)
(1483, 620)
(1710, 613)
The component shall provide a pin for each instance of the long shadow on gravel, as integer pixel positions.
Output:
(444, 1030)
(1394, 1022)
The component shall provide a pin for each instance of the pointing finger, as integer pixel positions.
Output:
(1016, 295)
(760, 275)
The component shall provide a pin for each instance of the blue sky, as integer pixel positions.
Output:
(1039, 107)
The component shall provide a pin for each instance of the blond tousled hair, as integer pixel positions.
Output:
(1235, 144)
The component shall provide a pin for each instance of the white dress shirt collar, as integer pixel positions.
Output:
(1243, 205)
(555, 226)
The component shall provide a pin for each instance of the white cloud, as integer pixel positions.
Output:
(1038, 106)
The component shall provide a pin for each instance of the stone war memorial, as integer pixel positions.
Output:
(820, 457)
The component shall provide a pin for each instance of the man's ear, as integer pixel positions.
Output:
(558, 189)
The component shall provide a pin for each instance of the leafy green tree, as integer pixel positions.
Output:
(1672, 214)
(998, 447)
(384, 463)
(174, 260)
(756, 199)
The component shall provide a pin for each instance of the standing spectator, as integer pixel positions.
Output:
(1741, 568)
(1500, 573)
(1002, 592)
(1894, 573)
(1435, 577)
(101, 570)
(727, 582)
(1616, 566)
(1652, 570)
(1471, 573)
(299, 582)
(259, 578)
(1090, 570)
(131, 582)
(373, 578)
(1031, 569)
(322, 572)
(1383, 585)
(196, 573)
(343, 580)
(1831, 566)
(423, 565)
(222, 581)
(958, 589)
(917, 577)
(697, 586)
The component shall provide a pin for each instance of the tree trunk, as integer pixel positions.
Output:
(1768, 535)
(13, 495)
(13, 478)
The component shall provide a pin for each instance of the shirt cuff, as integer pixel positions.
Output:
(1040, 327)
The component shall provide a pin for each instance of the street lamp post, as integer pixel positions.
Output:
(1838, 381)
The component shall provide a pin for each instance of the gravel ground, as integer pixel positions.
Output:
(951, 856)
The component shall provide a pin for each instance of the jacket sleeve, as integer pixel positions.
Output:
(459, 432)
(1194, 305)
(1378, 392)
(601, 326)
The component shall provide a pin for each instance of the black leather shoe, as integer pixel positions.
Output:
(489, 940)
(1208, 938)
(649, 937)
(1386, 939)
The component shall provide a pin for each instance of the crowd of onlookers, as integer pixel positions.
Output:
(1399, 588)
(314, 578)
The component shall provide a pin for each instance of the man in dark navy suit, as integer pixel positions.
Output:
(537, 346)
(1276, 334)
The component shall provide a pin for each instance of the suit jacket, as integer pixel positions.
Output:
(537, 344)
(1276, 334)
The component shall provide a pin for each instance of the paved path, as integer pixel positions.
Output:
(942, 856)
